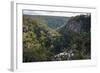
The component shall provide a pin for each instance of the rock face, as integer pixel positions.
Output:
(79, 24)
(64, 55)
(74, 26)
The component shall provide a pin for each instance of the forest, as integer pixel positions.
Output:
(56, 38)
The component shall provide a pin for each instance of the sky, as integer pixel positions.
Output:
(52, 13)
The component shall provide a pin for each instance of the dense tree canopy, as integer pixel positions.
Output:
(42, 43)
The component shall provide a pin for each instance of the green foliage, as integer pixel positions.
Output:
(42, 43)
(37, 40)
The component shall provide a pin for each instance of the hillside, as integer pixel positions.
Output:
(50, 38)
(78, 24)
(78, 35)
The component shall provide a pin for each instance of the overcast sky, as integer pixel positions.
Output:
(68, 14)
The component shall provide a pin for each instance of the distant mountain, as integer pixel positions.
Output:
(52, 21)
